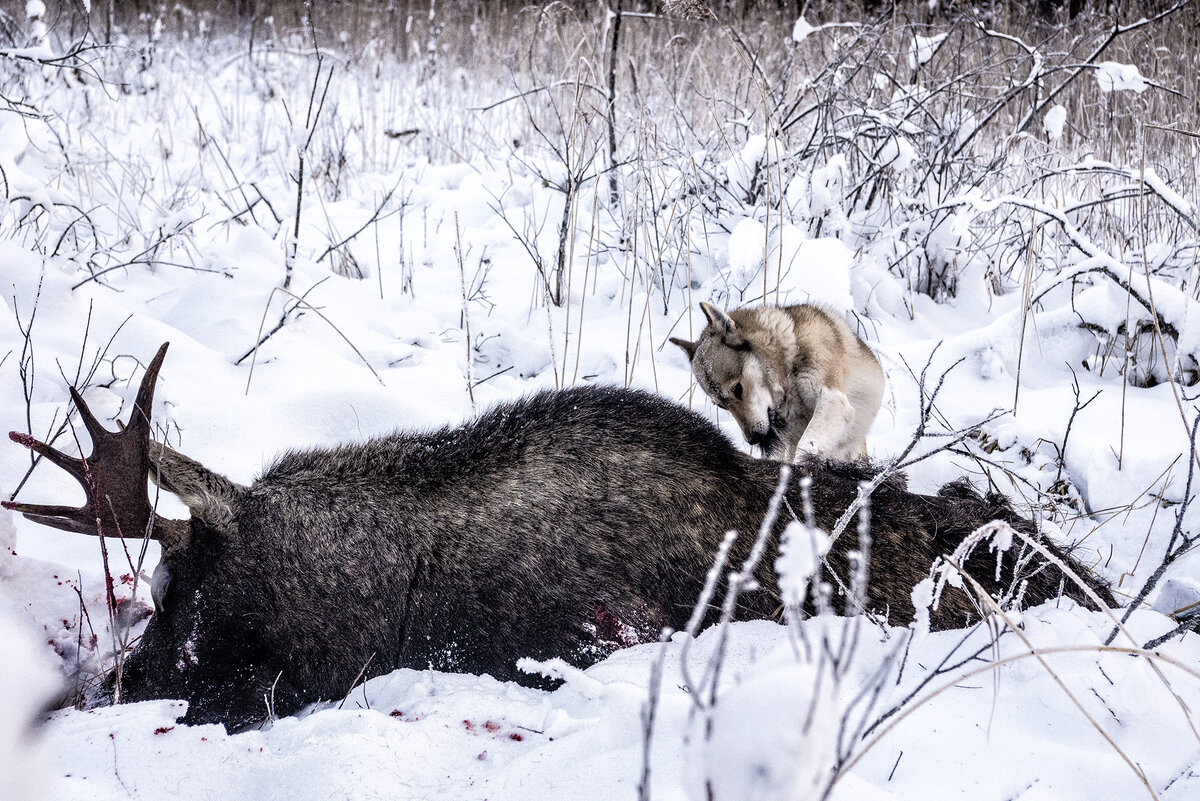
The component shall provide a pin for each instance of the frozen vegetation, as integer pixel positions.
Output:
(395, 217)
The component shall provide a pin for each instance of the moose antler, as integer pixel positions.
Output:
(113, 477)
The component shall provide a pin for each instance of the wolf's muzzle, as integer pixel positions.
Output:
(759, 437)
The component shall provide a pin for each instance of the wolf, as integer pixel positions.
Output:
(796, 379)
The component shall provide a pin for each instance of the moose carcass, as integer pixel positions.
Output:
(566, 524)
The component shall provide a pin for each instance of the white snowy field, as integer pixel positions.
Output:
(1048, 272)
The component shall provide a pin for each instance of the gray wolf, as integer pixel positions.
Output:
(796, 379)
(567, 524)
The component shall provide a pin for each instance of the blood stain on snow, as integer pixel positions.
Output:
(498, 730)
(399, 714)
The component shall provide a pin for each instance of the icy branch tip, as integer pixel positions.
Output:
(21, 439)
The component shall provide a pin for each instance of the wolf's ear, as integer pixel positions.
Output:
(725, 326)
(717, 317)
(688, 347)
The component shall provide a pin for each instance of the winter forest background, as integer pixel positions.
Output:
(353, 217)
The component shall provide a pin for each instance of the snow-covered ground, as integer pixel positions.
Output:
(164, 211)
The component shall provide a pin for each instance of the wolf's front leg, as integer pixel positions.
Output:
(832, 415)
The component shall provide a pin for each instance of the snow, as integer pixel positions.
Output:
(898, 153)
(749, 169)
(1054, 121)
(425, 735)
(29, 685)
(747, 243)
(1112, 76)
(817, 271)
(923, 49)
(771, 737)
(802, 30)
(1178, 596)
(790, 699)
(800, 555)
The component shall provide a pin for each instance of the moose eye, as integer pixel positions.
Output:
(737, 390)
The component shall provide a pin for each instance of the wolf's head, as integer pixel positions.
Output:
(731, 372)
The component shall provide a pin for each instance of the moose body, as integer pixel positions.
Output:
(567, 524)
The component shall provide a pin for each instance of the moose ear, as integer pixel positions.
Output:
(725, 326)
(209, 496)
(688, 347)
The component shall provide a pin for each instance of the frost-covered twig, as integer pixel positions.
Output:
(650, 712)
(377, 216)
(300, 300)
(1098, 260)
(958, 680)
(1189, 624)
(1117, 30)
(315, 107)
(466, 314)
(1076, 409)
(741, 578)
(1016, 90)
(76, 58)
(613, 21)
(520, 95)
(902, 461)
(1180, 542)
(982, 595)
(699, 611)
(1147, 180)
(574, 150)
(145, 256)
(940, 669)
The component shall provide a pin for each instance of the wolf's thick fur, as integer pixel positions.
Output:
(796, 379)
(568, 524)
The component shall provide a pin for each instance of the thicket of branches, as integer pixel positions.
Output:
(977, 147)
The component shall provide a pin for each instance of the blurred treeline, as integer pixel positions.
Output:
(727, 10)
(410, 27)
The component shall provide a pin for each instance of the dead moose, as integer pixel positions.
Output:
(566, 524)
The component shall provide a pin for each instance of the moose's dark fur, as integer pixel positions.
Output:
(564, 525)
